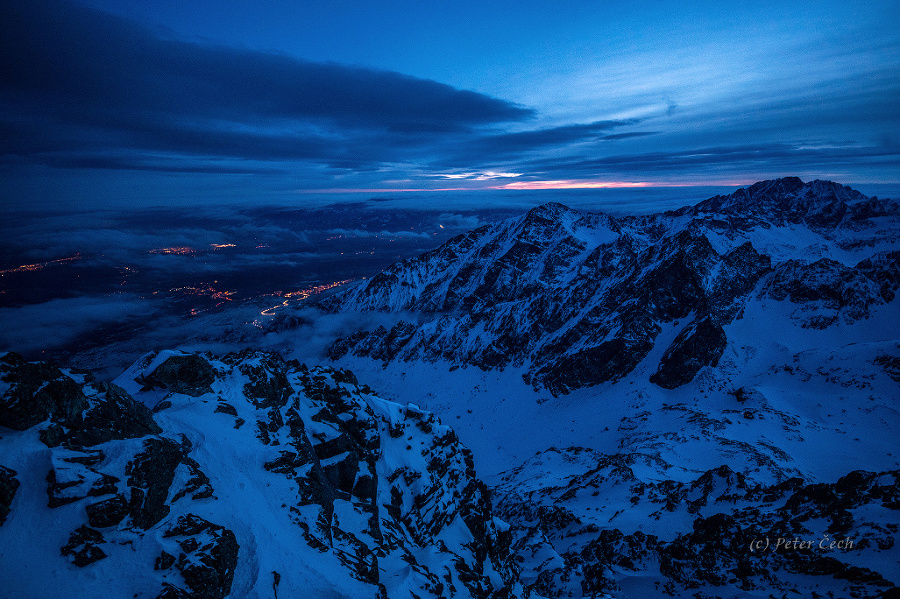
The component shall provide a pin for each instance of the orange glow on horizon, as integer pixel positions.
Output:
(385, 189)
(568, 184)
(536, 185)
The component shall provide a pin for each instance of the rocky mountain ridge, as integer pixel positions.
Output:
(251, 476)
(579, 299)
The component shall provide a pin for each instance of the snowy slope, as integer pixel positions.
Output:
(759, 331)
(252, 477)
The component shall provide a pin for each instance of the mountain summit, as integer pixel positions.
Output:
(578, 299)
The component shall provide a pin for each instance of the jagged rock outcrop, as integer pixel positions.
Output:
(825, 290)
(718, 535)
(189, 374)
(325, 489)
(8, 487)
(207, 559)
(699, 344)
(78, 412)
(128, 484)
(580, 299)
(37, 391)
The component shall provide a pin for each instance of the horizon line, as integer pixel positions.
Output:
(529, 186)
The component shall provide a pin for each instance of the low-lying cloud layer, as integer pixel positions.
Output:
(58, 322)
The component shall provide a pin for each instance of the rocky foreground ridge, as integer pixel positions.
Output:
(578, 299)
(255, 477)
(250, 477)
(589, 524)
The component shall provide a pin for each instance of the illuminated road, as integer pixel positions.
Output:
(303, 294)
(39, 265)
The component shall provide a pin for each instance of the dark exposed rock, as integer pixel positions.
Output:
(818, 204)
(187, 525)
(891, 365)
(268, 386)
(114, 414)
(53, 435)
(198, 485)
(151, 473)
(170, 591)
(164, 561)
(188, 374)
(8, 486)
(699, 344)
(226, 408)
(80, 414)
(82, 548)
(37, 391)
(742, 536)
(609, 361)
(884, 269)
(211, 557)
(326, 435)
(108, 512)
(828, 290)
(67, 484)
(579, 299)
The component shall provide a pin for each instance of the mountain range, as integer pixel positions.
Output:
(695, 403)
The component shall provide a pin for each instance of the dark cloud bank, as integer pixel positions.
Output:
(81, 88)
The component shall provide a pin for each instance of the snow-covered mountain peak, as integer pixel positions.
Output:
(818, 204)
(578, 299)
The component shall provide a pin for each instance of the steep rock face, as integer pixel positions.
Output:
(884, 269)
(8, 487)
(277, 478)
(188, 374)
(128, 484)
(825, 291)
(699, 344)
(580, 299)
(76, 410)
(36, 392)
(207, 557)
(717, 535)
(790, 200)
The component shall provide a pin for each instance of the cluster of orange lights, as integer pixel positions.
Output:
(220, 297)
(208, 290)
(180, 251)
(302, 294)
(40, 265)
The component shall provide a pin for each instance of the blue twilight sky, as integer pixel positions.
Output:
(164, 101)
